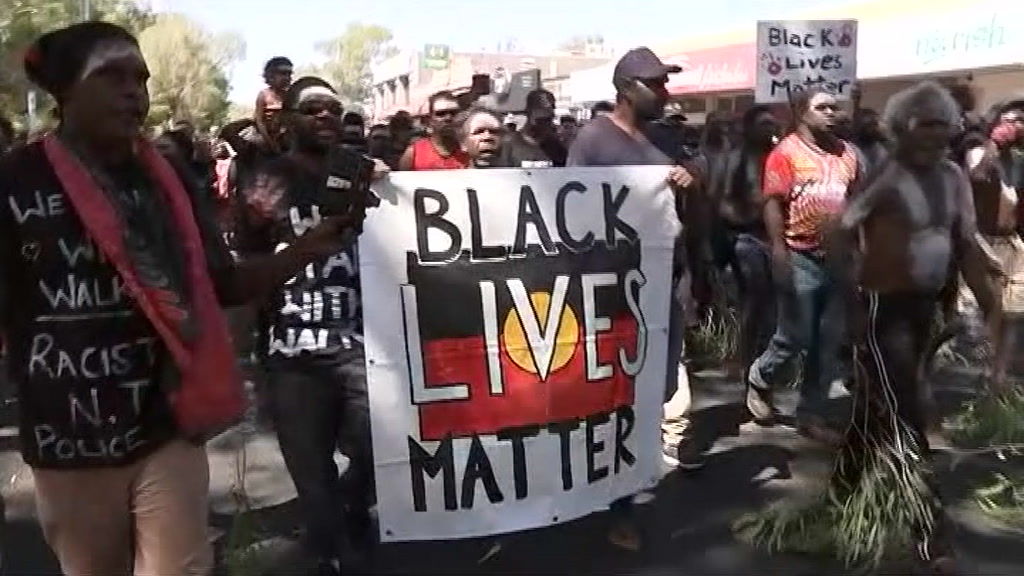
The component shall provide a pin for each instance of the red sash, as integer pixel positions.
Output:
(210, 396)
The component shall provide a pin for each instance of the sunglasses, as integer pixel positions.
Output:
(318, 108)
(445, 113)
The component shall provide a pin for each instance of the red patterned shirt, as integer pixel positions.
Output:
(812, 185)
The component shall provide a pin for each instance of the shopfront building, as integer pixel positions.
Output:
(899, 43)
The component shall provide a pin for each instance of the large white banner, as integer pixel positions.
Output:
(516, 331)
(795, 55)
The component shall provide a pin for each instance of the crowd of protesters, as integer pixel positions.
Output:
(922, 198)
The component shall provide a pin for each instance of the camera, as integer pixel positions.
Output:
(347, 185)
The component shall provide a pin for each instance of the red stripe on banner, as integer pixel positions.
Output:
(526, 400)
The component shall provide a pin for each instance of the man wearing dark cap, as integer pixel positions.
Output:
(537, 145)
(619, 139)
(313, 353)
(112, 278)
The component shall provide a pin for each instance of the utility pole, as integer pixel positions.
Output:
(86, 10)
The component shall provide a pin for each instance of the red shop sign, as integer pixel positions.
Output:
(731, 67)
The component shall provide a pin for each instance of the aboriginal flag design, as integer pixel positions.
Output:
(538, 384)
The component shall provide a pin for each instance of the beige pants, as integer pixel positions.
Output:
(95, 519)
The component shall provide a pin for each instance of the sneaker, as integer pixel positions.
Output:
(690, 457)
(330, 567)
(821, 433)
(945, 566)
(939, 566)
(625, 535)
(685, 456)
(670, 455)
(759, 398)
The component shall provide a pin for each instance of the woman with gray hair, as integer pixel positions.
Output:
(480, 133)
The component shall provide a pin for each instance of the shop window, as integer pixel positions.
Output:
(694, 105)
(742, 103)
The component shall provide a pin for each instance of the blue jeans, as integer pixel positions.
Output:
(810, 320)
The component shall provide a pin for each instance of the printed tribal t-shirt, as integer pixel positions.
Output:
(91, 371)
(317, 315)
(812, 185)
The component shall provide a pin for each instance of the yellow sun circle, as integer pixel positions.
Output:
(518, 347)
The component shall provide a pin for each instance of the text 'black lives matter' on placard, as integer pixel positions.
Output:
(516, 337)
(795, 55)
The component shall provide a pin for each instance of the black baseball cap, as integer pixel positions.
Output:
(642, 64)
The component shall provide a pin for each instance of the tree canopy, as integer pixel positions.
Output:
(22, 21)
(349, 57)
(187, 66)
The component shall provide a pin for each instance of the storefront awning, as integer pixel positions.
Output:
(719, 69)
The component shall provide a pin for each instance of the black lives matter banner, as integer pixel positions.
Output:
(516, 334)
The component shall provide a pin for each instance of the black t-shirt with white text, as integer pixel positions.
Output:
(91, 372)
(316, 316)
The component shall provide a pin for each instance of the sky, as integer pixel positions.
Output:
(292, 27)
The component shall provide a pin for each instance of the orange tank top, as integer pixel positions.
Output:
(426, 157)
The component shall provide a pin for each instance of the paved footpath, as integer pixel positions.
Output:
(688, 521)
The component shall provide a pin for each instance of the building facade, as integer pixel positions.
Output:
(406, 81)
(899, 42)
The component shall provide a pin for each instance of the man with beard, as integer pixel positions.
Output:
(716, 142)
(567, 129)
(618, 139)
(353, 133)
(380, 145)
(402, 129)
(736, 196)
(440, 150)
(537, 145)
(142, 355)
(868, 136)
(314, 360)
(910, 223)
(806, 181)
